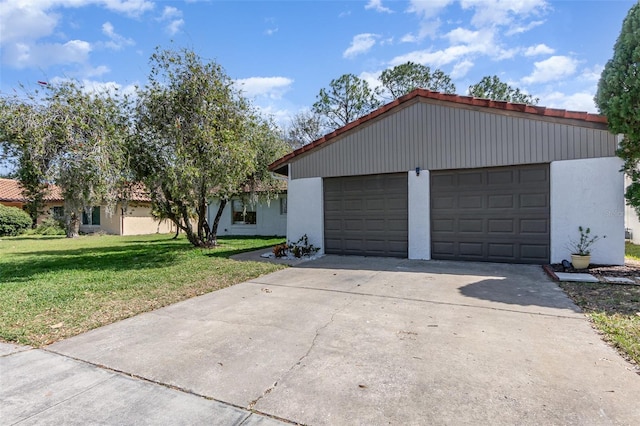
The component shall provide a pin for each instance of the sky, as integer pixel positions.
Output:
(281, 53)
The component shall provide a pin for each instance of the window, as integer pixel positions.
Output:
(283, 205)
(243, 213)
(57, 212)
(93, 218)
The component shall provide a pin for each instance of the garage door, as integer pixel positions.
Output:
(495, 214)
(366, 215)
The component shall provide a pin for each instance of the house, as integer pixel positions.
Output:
(131, 218)
(438, 176)
(242, 216)
(128, 218)
(11, 196)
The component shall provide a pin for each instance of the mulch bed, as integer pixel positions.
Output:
(631, 269)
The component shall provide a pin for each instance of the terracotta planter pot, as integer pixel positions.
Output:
(580, 261)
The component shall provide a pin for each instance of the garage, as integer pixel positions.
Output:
(441, 176)
(496, 214)
(366, 215)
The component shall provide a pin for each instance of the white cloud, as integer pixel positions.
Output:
(464, 36)
(554, 68)
(503, 12)
(25, 23)
(592, 74)
(377, 6)
(523, 28)
(271, 31)
(580, 101)
(174, 18)
(22, 55)
(436, 58)
(428, 9)
(360, 44)
(116, 41)
(170, 12)
(538, 49)
(272, 87)
(175, 26)
(372, 78)
(461, 68)
(97, 71)
(129, 7)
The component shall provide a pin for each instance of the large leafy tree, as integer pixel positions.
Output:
(407, 77)
(346, 99)
(70, 137)
(29, 142)
(618, 97)
(198, 138)
(491, 87)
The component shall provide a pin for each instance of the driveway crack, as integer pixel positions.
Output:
(319, 330)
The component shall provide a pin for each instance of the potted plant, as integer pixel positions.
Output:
(581, 249)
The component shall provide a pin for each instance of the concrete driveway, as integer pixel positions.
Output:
(353, 340)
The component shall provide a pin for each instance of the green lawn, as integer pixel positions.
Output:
(53, 287)
(632, 251)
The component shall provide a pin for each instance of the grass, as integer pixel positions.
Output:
(632, 251)
(613, 309)
(52, 287)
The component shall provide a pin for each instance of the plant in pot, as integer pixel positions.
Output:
(581, 249)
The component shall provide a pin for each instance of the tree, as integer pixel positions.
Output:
(198, 138)
(407, 77)
(305, 127)
(72, 138)
(347, 99)
(28, 141)
(618, 97)
(493, 88)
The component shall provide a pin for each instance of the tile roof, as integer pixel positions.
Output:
(456, 99)
(10, 190)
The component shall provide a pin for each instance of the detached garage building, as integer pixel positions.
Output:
(436, 176)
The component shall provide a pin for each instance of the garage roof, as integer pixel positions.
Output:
(280, 165)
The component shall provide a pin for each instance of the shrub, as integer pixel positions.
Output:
(302, 247)
(13, 221)
(48, 227)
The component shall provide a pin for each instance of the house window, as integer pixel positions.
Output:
(243, 213)
(57, 212)
(93, 218)
(283, 205)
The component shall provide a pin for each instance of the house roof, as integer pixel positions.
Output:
(11, 190)
(498, 106)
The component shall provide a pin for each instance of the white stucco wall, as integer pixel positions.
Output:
(419, 216)
(306, 211)
(588, 193)
(269, 221)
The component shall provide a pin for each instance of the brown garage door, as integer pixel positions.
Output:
(366, 215)
(496, 214)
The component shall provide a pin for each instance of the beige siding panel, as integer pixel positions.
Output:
(438, 137)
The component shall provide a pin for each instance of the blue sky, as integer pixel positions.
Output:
(283, 52)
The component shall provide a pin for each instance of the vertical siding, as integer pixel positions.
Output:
(438, 137)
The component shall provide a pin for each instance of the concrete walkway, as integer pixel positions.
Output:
(38, 387)
(339, 340)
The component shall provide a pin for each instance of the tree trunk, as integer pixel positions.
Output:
(73, 224)
(213, 234)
